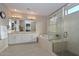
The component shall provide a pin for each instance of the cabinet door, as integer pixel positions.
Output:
(12, 39)
(27, 38)
(19, 38)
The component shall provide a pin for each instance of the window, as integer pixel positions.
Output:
(73, 9)
(53, 20)
(52, 26)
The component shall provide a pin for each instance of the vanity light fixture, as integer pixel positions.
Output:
(31, 17)
(17, 16)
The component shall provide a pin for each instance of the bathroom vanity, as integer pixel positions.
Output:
(22, 37)
(22, 31)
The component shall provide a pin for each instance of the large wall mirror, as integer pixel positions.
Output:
(22, 25)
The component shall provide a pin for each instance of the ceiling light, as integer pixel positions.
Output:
(17, 16)
(32, 12)
(15, 10)
(31, 17)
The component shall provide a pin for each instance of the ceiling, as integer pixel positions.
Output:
(43, 9)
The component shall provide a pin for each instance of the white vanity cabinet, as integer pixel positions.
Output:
(15, 38)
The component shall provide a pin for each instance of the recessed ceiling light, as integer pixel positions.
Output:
(31, 17)
(15, 10)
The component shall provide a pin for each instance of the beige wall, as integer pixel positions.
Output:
(41, 25)
(33, 26)
(4, 42)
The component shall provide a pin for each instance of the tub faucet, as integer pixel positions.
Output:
(65, 34)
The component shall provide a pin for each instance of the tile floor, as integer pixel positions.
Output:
(25, 50)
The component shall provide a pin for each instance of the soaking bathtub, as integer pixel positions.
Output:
(51, 44)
